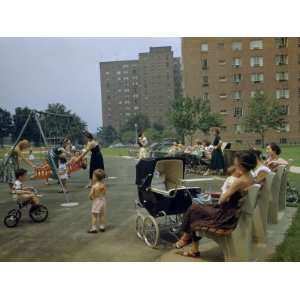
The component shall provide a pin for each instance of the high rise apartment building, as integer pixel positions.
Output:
(229, 71)
(146, 85)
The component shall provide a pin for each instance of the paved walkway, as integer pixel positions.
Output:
(295, 169)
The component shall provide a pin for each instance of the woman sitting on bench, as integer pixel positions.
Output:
(224, 215)
(274, 160)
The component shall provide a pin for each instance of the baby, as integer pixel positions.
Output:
(233, 174)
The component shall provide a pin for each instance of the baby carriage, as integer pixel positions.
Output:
(162, 200)
(37, 213)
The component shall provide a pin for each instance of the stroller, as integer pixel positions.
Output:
(162, 200)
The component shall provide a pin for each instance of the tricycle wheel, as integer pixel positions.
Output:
(151, 231)
(11, 220)
(38, 213)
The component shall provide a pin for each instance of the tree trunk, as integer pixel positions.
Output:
(262, 139)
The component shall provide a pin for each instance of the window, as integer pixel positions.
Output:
(283, 141)
(237, 78)
(281, 42)
(236, 62)
(281, 59)
(223, 112)
(285, 126)
(298, 42)
(237, 112)
(284, 109)
(222, 96)
(221, 45)
(204, 47)
(282, 76)
(257, 92)
(299, 92)
(298, 58)
(236, 95)
(205, 81)
(222, 78)
(124, 66)
(222, 62)
(106, 73)
(256, 44)
(205, 96)
(118, 72)
(257, 142)
(282, 94)
(238, 128)
(236, 46)
(257, 78)
(256, 61)
(204, 64)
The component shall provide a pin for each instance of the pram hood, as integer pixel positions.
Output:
(171, 167)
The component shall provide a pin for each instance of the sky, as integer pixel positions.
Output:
(38, 71)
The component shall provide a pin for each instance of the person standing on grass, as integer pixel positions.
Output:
(217, 160)
(96, 161)
(12, 163)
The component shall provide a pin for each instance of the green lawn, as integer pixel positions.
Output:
(291, 152)
(114, 151)
(289, 250)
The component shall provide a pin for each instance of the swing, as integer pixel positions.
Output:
(43, 172)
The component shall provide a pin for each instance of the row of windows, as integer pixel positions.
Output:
(255, 61)
(281, 42)
(236, 95)
(254, 78)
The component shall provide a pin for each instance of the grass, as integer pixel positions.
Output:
(114, 151)
(289, 250)
(291, 152)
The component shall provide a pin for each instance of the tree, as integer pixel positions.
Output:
(204, 118)
(107, 134)
(5, 124)
(182, 116)
(128, 137)
(262, 114)
(31, 131)
(56, 126)
(191, 114)
(140, 119)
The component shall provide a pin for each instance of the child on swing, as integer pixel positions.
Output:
(97, 195)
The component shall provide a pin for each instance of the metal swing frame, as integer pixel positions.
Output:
(35, 114)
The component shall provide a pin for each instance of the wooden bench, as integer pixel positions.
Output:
(260, 217)
(283, 188)
(236, 244)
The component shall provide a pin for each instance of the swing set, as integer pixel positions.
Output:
(44, 171)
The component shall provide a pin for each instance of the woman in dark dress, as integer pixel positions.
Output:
(217, 159)
(224, 215)
(96, 161)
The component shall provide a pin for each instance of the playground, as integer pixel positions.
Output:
(63, 237)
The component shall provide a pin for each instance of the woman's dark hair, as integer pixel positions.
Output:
(88, 135)
(247, 159)
(99, 174)
(65, 140)
(257, 153)
(275, 148)
(20, 172)
(217, 131)
(206, 143)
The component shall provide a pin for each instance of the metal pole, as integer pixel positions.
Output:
(18, 139)
(68, 203)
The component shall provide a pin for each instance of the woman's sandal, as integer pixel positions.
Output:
(182, 243)
(189, 254)
(93, 231)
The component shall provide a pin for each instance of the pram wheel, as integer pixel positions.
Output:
(139, 226)
(151, 231)
(15, 212)
(11, 220)
(38, 213)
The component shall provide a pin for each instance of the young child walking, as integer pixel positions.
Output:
(97, 195)
(63, 173)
